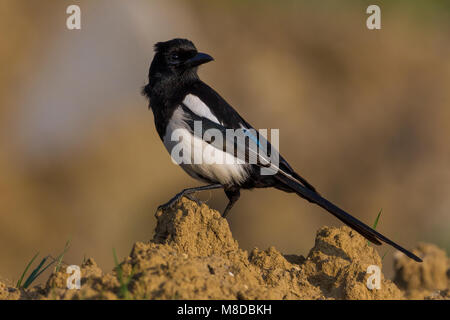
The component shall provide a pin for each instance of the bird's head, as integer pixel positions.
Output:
(177, 57)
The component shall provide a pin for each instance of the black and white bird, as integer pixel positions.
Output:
(179, 99)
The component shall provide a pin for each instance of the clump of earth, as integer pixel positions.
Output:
(193, 255)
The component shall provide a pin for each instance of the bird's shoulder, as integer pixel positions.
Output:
(205, 101)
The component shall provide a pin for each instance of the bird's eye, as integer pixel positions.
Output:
(174, 56)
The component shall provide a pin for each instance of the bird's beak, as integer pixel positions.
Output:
(198, 59)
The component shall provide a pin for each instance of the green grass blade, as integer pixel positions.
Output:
(41, 267)
(58, 259)
(123, 289)
(19, 282)
(384, 255)
(375, 224)
(118, 267)
(34, 273)
(45, 268)
(377, 219)
(61, 255)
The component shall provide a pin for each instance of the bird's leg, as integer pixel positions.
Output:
(187, 192)
(233, 196)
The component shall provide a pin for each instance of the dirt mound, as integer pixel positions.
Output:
(430, 279)
(193, 255)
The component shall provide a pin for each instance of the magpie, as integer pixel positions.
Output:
(179, 100)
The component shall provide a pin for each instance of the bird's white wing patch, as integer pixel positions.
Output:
(197, 106)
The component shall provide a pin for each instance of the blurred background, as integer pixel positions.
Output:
(364, 115)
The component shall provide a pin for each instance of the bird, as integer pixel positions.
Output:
(179, 101)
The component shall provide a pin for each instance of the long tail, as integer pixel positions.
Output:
(366, 231)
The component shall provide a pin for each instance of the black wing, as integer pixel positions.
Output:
(230, 118)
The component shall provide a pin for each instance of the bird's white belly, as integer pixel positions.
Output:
(199, 158)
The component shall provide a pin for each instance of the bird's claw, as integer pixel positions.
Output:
(172, 202)
(192, 198)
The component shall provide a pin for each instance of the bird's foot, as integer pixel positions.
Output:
(172, 202)
(192, 198)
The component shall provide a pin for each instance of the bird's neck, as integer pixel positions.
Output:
(165, 94)
(167, 88)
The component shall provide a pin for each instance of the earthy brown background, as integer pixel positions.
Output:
(364, 115)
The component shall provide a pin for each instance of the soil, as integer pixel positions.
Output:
(193, 255)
